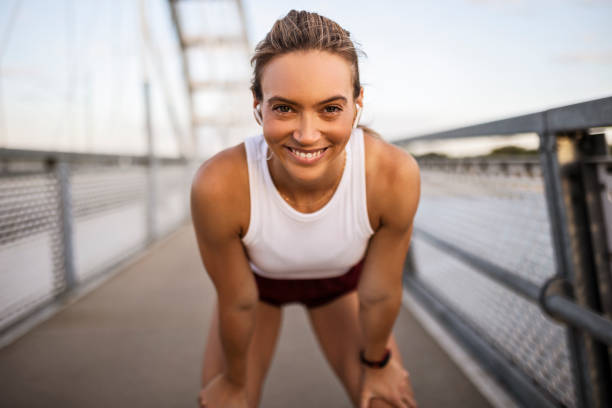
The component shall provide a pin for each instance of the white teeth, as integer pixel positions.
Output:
(306, 155)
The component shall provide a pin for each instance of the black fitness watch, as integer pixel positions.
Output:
(375, 364)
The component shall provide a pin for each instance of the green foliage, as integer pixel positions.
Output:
(432, 155)
(512, 151)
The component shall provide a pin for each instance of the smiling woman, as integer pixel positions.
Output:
(315, 211)
(307, 122)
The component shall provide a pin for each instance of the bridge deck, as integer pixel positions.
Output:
(137, 341)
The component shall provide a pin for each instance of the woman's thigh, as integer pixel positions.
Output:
(261, 349)
(337, 328)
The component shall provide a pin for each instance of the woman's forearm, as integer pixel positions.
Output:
(377, 319)
(236, 326)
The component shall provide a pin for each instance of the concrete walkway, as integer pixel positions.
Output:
(137, 341)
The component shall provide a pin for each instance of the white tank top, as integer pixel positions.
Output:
(283, 243)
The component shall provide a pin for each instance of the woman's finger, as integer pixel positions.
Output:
(409, 401)
(399, 401)
(365, 400)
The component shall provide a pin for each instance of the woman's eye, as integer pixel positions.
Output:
(332, 109)
(282, 108)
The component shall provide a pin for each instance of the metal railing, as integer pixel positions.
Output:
(545, 229)
(67, 219)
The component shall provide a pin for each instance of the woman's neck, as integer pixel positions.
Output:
(307, 196)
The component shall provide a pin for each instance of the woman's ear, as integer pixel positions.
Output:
(255, 99)
(257, 109)
(257, 112)
(359, 99)
(357, 116)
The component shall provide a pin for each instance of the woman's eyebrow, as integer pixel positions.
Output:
(289, 101)
(333, 98)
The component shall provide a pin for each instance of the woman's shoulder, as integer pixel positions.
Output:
(392, 177)
(222, 170)
(221, 184)
(387, 163)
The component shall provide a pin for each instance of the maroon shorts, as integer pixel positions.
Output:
(309, 292)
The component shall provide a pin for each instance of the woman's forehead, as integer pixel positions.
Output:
(307, 77)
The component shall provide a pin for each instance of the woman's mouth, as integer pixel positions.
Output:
(306, 156)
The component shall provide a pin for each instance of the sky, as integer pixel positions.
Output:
(437, 65)
(430, 65)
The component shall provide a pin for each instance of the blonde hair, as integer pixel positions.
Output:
(302, 31)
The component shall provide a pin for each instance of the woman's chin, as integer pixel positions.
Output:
(308, 173)
(305, 175)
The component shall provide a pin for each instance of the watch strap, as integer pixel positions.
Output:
(375, 364)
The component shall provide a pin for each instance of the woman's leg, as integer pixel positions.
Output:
(336, 326)
(261, 349)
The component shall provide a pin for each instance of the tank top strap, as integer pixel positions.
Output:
(359, 180)
(255, 147)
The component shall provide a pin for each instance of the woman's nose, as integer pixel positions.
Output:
(306, 133)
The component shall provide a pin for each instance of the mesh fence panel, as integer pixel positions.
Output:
(501, 217)
(96, 189)
(109, 205)
(31, 247)
(172, 192)
(109, 210)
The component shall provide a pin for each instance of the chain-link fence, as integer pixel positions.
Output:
(65, 220)
(513, 254)
(502, 217)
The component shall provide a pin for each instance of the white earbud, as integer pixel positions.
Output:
(257, 114)
(357, 117)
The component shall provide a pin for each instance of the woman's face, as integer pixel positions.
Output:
(308, 111)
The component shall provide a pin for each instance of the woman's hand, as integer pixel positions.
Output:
(391, 384)
(222, 393)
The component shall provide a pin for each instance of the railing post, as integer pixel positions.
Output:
(62, 171)
(588, 242)
(595, 180)
(151, 165)
(564, 199)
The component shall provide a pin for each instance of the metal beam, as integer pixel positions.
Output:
(591, 114)
(73, 157)
(184, 64)
(596, 113)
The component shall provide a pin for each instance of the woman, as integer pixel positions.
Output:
(316, 211)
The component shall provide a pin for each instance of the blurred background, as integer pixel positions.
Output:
(73, 71)
(107, 108)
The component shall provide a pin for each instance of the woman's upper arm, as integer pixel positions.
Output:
(218, 220)
(398, 199)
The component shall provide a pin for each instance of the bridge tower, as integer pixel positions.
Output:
(215, 53)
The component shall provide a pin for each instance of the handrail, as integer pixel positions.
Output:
(596, 113)
(50, 155)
